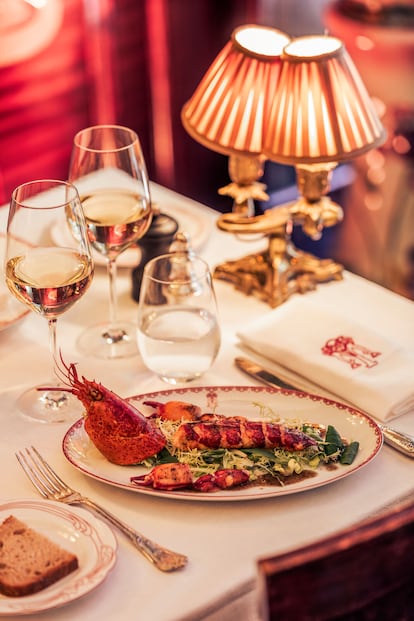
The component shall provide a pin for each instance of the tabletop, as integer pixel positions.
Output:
(222, 540)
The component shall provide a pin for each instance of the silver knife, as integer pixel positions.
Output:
(403, 442)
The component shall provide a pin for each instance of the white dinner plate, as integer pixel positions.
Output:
(11, 310)
(231, 401)
(79, 532)
(192, 221)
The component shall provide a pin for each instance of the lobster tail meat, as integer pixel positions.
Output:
(239, 434)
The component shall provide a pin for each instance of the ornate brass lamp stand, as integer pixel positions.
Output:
(281, 269)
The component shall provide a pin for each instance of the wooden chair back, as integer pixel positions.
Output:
(363, 573)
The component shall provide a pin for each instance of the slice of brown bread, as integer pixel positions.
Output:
(29, 561)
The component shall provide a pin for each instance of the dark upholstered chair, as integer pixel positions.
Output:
(363, 573)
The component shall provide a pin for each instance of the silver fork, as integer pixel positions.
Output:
(51, 486)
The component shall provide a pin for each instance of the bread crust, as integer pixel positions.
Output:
(29, 561)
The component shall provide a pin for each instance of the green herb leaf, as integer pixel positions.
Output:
(333, 441)
(349, 453)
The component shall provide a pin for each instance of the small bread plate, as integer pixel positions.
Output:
(252, 403)
(192, 221)
(11, 310)
(73, 529)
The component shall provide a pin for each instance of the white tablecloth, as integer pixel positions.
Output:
(222, 540)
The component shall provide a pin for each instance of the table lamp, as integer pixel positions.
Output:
(320, 114)
(228, 108)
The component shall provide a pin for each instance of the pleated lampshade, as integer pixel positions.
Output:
(229, 107)
(321, 111)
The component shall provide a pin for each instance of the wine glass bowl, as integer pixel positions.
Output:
(108, 168)
(178, 329)
(47, 278)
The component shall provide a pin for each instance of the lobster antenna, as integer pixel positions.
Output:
(64, 374)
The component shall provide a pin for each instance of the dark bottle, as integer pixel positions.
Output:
(156, 241)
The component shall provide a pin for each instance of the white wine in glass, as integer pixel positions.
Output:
(108, 168)
(49, 279)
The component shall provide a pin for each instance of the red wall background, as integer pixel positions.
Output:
(131, 62)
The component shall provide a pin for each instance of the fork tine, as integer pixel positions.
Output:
(49, 473)
(31, 474)
(40, 473)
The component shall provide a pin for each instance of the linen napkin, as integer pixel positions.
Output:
(336, 352)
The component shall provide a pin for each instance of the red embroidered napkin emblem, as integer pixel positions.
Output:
(344, 348)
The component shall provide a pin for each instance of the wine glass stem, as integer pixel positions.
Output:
(55, 400)
(113, 311)
(53, 344)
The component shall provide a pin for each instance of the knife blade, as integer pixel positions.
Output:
(261, 374)
(402, 442)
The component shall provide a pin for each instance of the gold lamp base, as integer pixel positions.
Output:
(244, 172)
(281, 270)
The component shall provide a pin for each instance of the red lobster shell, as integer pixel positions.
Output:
(118, 430)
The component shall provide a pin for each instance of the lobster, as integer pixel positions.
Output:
(118, 430)
(238, 433)
(173, 476)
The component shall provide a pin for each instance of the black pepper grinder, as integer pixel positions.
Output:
(156, 241)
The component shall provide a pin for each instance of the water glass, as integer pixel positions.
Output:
(178, 329)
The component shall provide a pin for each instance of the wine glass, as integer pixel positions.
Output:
(48, 278)
(108, 168)
(178, 329)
